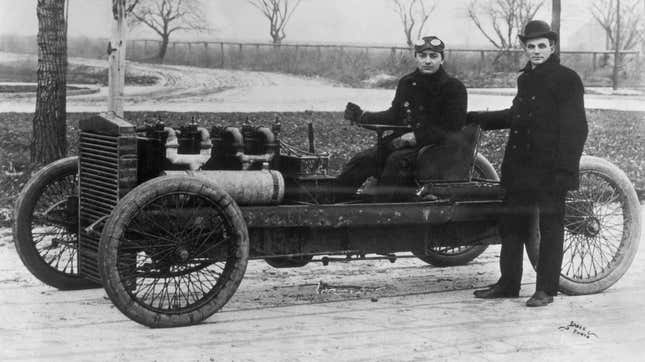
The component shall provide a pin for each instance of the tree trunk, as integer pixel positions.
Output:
(614, 75)
(49, 140)
(408, 37)
(163, 48)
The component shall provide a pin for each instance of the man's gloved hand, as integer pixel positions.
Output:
(406, 140)
(472, 118)
(353, 112)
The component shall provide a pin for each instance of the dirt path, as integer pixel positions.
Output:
(183, 88)
(374, 311)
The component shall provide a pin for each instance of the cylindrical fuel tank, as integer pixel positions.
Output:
(263, 187)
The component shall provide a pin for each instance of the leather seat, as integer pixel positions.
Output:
(452, 160)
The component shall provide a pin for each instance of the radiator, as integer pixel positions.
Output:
(108, 171)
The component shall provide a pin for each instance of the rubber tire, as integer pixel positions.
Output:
(114, 227)
(289, 261)
(629, 245)
(22, 233)
(485, 170)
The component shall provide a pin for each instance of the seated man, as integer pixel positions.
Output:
(432, 103)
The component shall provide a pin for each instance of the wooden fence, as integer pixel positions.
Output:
(352, 63)
(223, 54)
(349, 64)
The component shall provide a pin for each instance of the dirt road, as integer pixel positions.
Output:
(182, 88)
(371, 311)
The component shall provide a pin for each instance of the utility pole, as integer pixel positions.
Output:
(614, 76)
(116, 58)
(556, 11)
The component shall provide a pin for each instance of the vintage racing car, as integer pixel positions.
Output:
(166, 219)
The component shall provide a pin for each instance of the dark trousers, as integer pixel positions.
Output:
(516, 228)
(395, 172)
(397, 180)
(363, 165)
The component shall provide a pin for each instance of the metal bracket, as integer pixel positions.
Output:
(110, 50)
(91, 229)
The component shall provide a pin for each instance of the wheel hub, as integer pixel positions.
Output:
(183, 254)
(592, 226)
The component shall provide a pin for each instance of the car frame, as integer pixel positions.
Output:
(167, 219)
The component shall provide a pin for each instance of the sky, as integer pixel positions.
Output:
(316, 21)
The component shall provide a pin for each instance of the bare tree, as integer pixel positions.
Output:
(166, 17)
(507, 19)
(413, 14)
(632, 14)
(623, 25)
(278, 12)
(49, 140)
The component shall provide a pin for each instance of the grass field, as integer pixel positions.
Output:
(614, 135)
(25, 71)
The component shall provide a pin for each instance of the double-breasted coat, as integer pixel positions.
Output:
(433, 104)
(548, 129)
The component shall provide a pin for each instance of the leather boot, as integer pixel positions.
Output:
(496, 291)
(539, 299)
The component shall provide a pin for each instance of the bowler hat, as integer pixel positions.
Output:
(429, 43)
(537, 29)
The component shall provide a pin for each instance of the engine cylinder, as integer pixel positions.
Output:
(264, 187)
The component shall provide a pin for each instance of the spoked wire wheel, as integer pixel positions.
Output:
(174, 252)
(46, 226)
(447, 255)
(602, 229)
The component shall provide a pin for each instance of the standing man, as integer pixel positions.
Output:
(431, 102)
(548, 129)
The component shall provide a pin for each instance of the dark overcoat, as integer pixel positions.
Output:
(548, 129)
(433, 104)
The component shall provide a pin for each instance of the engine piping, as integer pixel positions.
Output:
(194, 162)
(269, 142)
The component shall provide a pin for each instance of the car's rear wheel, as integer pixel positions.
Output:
(289, 261)
(443, 255)
(602, 229)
